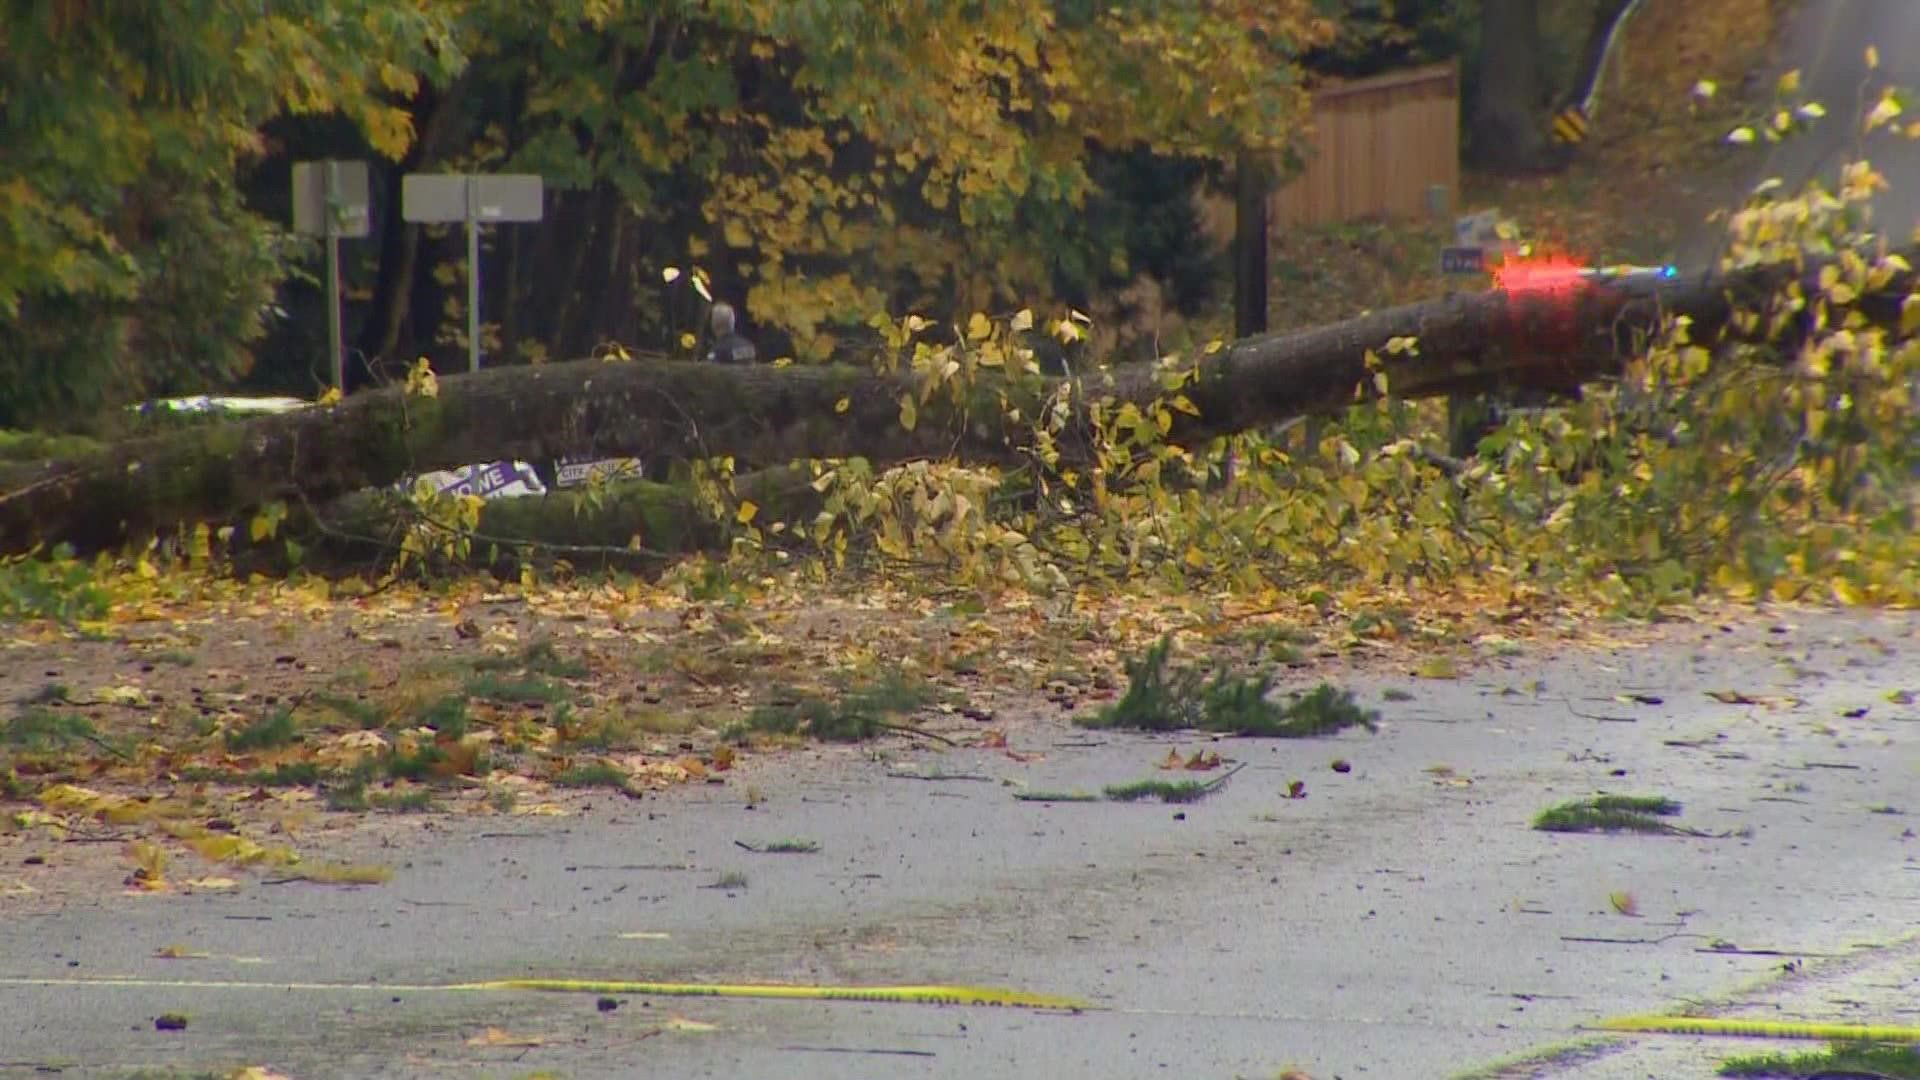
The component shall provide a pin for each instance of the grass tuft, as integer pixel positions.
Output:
(530, 690)
(596, 774)
(539, 658)
(855, 716)
(1167, 791)
(447, 716)
(369, 716)
(407, 801)
(1881, 1061)
(277, 728)
(40, 729)
(1162, 697)
(286, 774)
(1611, 813)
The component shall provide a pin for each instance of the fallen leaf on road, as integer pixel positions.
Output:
(1624, 903)
(1439, 667)
(681, 1023)
(493, 1036)
(1736, 697)
(179, 952)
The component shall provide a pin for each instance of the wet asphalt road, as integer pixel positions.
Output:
(1401, 920)
(1826, 41)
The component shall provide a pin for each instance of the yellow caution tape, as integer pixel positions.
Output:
(1759, 1029)
(918, 995)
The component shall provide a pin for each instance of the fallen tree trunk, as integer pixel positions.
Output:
(1554, 336)
(634, 525)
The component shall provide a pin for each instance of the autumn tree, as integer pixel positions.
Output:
(127, 260)
(821, 163)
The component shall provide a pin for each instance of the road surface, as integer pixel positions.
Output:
(1826, 40)
(1400, 921)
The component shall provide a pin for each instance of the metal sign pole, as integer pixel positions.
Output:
(330, 201)
(336, 333)
(450, 198)
(473, 273)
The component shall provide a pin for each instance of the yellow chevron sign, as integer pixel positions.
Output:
(1570, 125)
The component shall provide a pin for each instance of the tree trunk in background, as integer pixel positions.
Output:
(1508, 131)
(1252, 226)
(1467, 342)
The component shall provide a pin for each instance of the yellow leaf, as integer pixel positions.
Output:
(978, 328)
(421, 381)
(212, 883)
(1740, 136)
(670, 275)
(331, 397)
(1624, 903)
(1872, 58)
(1845, 592)
(493, 1036)
(1884, 111)
(842, 405)
(1439, 667)
(747, 510)
(909, 412)
(1790, 82)
(686, 341)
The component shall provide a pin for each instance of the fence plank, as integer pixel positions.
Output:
(1376, 146)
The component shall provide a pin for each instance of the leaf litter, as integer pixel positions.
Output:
(304, 709)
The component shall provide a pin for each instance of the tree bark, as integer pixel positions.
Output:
(1507, 133)
(633, 525)
(1466, 342)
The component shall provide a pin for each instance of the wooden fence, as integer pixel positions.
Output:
(1376, 147)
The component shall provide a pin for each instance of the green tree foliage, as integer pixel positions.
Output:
(127, 261)
(820, 160)
(825, 160)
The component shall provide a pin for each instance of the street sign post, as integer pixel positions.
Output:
(1474, 235)
(331, 199)
(442, 198)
